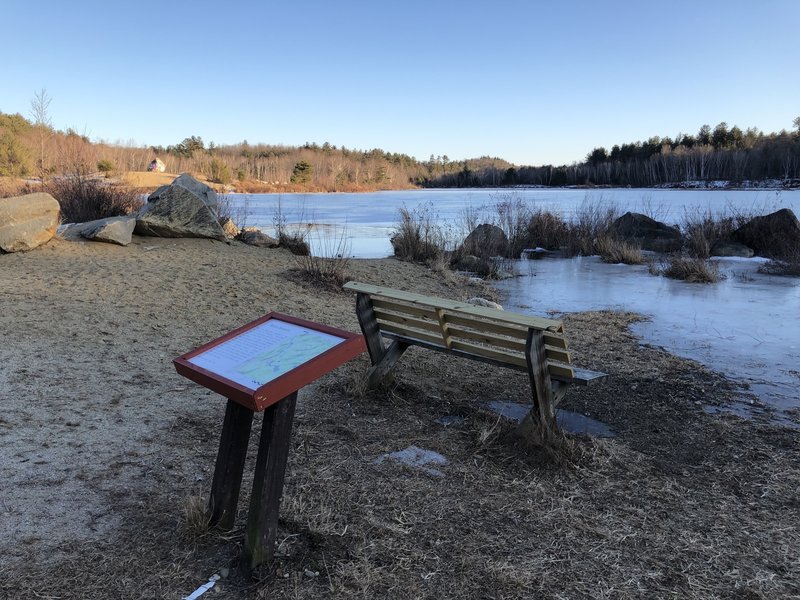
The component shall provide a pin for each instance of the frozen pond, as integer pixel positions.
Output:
(747, 326)
(366, 221)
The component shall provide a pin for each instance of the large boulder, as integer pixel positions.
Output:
(185, 208)
(776, 235)
(113, 230)
(486, 240)
(198, 188)
(27, 221)
(647, 233)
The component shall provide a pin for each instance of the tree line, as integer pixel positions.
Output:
(32, 147)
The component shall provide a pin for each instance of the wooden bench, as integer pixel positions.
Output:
(526, 343)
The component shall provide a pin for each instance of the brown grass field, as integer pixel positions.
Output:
(106, 453)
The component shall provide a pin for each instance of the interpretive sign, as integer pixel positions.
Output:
(264, 361)
(260, 367)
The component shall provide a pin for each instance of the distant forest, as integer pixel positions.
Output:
(33, 148)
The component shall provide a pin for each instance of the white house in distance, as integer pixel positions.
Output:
(157, 165)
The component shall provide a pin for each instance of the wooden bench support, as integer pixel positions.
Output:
(379, 371)
(230, 465)
(273, 453)
(540, 378)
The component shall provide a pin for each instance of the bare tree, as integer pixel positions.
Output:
(41, 119)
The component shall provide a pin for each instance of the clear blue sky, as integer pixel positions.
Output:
(532, 82)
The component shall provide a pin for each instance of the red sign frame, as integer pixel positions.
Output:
(283, 385)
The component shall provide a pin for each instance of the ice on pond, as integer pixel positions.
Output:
(416, 458)
(746, 326)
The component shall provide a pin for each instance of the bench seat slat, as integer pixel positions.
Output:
(558, 372)
(404, 333)
(410, 321)
(518, 345)
(555, 340)
(382, 304)
(556, 354)
(468, 309)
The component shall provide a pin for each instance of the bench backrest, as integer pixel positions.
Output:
(495, 335)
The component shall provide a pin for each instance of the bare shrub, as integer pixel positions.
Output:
(331, 268)
(295, 238)
(691, 269)
(788, 265)
(702, 229)
(513, 217)
(85, 199)
(547, 230)
(614, 251)
(592, 221)
(418, 238)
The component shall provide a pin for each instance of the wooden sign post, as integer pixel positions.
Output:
(260, 367)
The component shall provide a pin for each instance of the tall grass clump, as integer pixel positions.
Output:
(513, 217)
(702, 229)
(614, 251)
(418, 237)
(690, 269)
(788, 265)
(84, 199)
(331, 268)
(547, 230)
(593, 220)
(294, 239)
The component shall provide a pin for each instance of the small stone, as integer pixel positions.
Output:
(309, 573)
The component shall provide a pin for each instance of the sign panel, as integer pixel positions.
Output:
(268, 359)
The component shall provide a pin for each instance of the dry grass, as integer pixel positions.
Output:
(592, 222)
(681, 504)
(615, 251)
(689, 269)
(788, 265)
(702, 229)
(418, 237)
(547, 230)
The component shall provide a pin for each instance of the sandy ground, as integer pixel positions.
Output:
(104, 448)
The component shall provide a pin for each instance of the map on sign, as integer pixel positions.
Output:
(265, 352)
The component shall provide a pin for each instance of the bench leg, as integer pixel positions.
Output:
(273, 453)
(369, 327)
(380, 370)
(383, 359)
(543, 400)
(230, 465)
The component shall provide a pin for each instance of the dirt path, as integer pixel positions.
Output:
(103, 447)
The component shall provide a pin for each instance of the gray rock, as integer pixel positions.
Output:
(27, 221)
(647, 233)
(114, 230)
(199, 189)
(470, 263)
(485, 303)
(179, 212)
(728, 248)
(258, 238)
(776, 235)
(486, 240)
